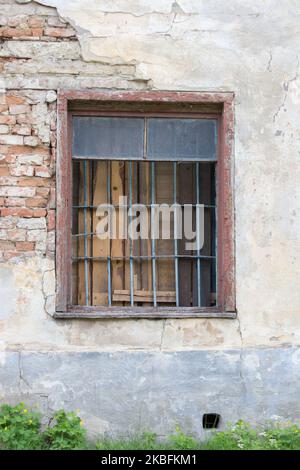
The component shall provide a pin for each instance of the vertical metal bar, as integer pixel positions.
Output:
(152, 233)
(214, 230)
(91, 178)
(198, 235)
(86, 282)
(130, 238)
(108, 192)
(175, 233)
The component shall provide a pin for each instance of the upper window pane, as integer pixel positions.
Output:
(108, 137)
(178, 139)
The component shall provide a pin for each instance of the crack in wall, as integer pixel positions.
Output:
(286, 86)
(21, 376)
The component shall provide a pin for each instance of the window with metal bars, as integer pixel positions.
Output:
(146, 161)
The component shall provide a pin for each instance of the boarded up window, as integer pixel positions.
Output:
(131, 162)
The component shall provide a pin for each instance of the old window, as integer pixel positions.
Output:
(145, 192)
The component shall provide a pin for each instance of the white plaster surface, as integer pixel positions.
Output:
(250, 48)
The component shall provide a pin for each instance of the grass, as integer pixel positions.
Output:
(239, 437)
(20, 429)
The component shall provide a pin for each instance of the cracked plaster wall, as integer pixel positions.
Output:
(250, 48)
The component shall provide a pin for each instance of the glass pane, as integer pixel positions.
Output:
(108, 137)
(177, 139)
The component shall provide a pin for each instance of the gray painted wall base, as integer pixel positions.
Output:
(125, 392)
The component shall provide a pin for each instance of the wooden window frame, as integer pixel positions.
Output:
(92, 101)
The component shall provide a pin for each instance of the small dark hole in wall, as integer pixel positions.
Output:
(210, 420)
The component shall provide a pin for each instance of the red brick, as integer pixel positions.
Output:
(12, 99)
(37, 32)
(52, 199)
(42, 171)
(25, 246)
(6, 245)
(36, 21)
(4, 171)
(11, 254)
(3, 108)
(59, 32)
(13, 202)
(15, 32)
(36, 202)
(24, 119)
(51, 220)
(43, 192)
(7, 119)
(33, 181)
(16, 211)
(21, 130)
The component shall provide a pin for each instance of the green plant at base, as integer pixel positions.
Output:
(67, 433)
(19, 428)
(181, 441)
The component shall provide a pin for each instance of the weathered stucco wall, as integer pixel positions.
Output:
(250, 48)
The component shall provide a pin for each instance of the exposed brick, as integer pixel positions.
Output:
(4, 171)
(17, 235)
(34, 181)
(33, 159)
(7, 222)
(52, 199)
(51, 220)
(39, 213)
(37, 236)
(36, 21)
(25, 246)
(32, 224)
(14, 32)
(4, 235)
(16, 211)
(16, 191)
(59, 32)
(6, 245)
(11, 139)
(12, 99)
(36, 202)
(42, 171)
(13, 202)
(24, 119)
(3, 108)
(4, 129)
(8, 181)
(42, 191)
(19, 109)
(22, 170)
(32, 141)
(21, 130)
(7, 119)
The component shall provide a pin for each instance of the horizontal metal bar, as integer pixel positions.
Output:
(121, 206)
(128, 258)
(142, 159)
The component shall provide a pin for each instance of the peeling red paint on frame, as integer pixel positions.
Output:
(225, 177)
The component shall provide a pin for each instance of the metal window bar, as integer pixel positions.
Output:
(214, 240)
(91, 177)
(130, 238)
(154, 257)
(152, 234)
(86, 262)
(108, 191)
(175, 234)
(145, 257)
(198, 235)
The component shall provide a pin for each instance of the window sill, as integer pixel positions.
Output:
(93, 313)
